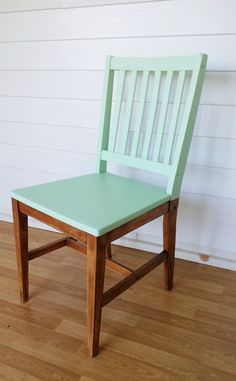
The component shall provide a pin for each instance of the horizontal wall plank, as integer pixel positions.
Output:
(194, 235)
(205, 151)
(212, 121)
(218, 153)
(53, 84)
(59, 162)
(197, 179)
(121, 21)
(88, 85)
(29, 5)
(68, 139)
(207, 208)
(211, 181)
(20, 178)
(189, 252)
(51, 111)
(90, 54)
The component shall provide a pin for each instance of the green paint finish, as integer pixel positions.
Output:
(175, 116)
(95, 203)
(115, 123)
(163, 115)
(136, 162)
(152, 115)
(129, 109)
(155, 63)
(105, 114)
(100, 202)
(140, 113)
(195, 64)
(186, 132)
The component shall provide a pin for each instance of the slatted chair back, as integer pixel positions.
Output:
(148, 114)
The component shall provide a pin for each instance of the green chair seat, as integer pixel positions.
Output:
(95, 203)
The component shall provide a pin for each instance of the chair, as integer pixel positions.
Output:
(148, 114)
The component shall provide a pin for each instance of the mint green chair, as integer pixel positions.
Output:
(146, 123)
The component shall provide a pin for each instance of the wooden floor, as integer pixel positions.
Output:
(147, 333)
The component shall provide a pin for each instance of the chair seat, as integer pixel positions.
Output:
(94, 203)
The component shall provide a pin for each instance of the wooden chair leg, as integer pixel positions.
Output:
(108, 250)
(21, 240)
(169, 235)
(96, 256)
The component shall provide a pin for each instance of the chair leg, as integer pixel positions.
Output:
(96, 256)
(108, 250)
(21, 240)
(169, 235)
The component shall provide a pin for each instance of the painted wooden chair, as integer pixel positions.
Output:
(147, 124)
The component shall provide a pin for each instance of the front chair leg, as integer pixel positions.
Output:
(21, 240)
(169, 235)
(96, 256)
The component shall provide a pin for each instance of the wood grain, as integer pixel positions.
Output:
(21, 239)
(96, 257)
(169, 236)
(73, 232)
(147, 333)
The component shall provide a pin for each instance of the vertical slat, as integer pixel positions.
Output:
(115, 123)
(175, 116)
(105, 115)
(152, 115)
(163, 115)
(128, 113)
(140, 113)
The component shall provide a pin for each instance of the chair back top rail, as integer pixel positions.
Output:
(148, 114)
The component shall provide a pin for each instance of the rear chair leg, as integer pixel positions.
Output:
(169, 235)
(108, 250)
(21, 240)
(96, 256)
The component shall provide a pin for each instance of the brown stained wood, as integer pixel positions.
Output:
(98, 252)
(21, 241)
(111, 264)
(151, 341)
(96, 256)
(47, 248)
(169, 235)
(137, 222)
(76, 245)
(32, 366)
(53, 222)
(108, 250)
(118, 267)
(120, 287)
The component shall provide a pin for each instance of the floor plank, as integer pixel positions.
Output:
(147, 333)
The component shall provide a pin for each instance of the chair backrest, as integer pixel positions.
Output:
(148, 114)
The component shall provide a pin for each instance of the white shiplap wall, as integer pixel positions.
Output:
(51, 71)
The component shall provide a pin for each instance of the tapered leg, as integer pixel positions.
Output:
(21, 240)
(96, 255)
(169, 234)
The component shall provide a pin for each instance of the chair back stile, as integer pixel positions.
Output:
(156, 137)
